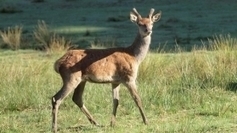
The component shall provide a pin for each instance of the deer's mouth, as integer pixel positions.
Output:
(147, 33)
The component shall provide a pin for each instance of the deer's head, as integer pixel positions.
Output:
(144, 24)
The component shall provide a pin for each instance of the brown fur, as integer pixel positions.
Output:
(95, 63)
(115, 65)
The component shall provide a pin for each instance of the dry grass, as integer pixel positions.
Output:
(42, 33)
(223, 42)
(12, 37)
(103, 43)
(51, 41)
(58, 44)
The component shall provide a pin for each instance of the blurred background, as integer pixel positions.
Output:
(87, 23)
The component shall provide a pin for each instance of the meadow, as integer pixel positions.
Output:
(183, 89)
(181, 92)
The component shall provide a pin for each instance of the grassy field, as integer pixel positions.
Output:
(188, 92)
(181, 92)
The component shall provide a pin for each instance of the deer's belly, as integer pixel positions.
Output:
(101, 78)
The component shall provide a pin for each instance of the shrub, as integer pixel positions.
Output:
(50, 41)
(58, 44)
(42, 33)
(12, 37)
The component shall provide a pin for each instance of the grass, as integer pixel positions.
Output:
(50, 41)
(12, 37)
(42, 33)
(181, 92)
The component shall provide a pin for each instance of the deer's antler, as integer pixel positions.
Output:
(136, 13)
(151, 12)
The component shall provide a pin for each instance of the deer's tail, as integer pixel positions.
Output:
(56, 66)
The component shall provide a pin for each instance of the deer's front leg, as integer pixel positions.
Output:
(115, 94)
(133, 91)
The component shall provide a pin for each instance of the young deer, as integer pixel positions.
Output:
(113, 65)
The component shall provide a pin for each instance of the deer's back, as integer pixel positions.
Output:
(96, 65)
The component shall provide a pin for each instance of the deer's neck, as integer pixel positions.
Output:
(140, 47)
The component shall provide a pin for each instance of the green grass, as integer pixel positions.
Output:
(181, 92)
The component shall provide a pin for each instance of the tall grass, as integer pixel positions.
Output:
(23, 80)
(42, 33)
(181, 92)
(105, 43)
(58, 44)
(203, 68)
(12, 37)
(50, 40)
(223, 42)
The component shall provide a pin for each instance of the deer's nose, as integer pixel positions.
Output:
(148, 30)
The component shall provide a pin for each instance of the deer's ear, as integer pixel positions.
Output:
(156, 17)
(133, 18)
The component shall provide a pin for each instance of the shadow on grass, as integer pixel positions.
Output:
(207, 114)
(232, 86)
(83, 128)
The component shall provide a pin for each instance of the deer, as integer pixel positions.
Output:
(116, 66)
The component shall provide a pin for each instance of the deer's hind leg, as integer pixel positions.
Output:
(70, 81)
(77, 99)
